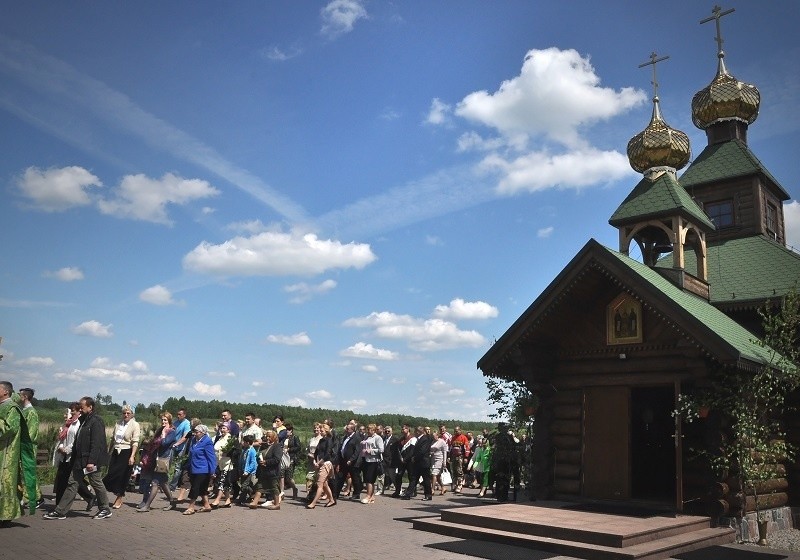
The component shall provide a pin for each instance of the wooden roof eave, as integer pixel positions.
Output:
(695, 331)
(502, 348)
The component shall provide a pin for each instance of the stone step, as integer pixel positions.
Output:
(590, 528)
(659, 548)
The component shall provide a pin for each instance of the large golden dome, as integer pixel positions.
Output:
(725, 98)
(658, 145)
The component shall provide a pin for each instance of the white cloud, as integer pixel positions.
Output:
(460, 309)
(208, 390)
(355, 404)
(420, 334)
(221, 374)
(791, 217)
(299, 339)
(249, 226)
(433, 240)
(157, 295)
(93, 328)
(439, 113)
(367, 351)
(556, 92)
(85, 99)
(320, 394)
(278, 54)
(66, 274)
(472, 141)
(56, 190)
(36, 361)
(340, 16)
(304, 292)
(277, 254)
(258, 383)
(537, 171)
(370, 368)
(389, 114)
(397, 380)
(544, 233)
(101, 362)
(141, 198)
(296, 401)
(102, 370)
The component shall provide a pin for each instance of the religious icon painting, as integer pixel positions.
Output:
(624, 320)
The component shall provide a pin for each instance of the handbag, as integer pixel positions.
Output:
(446, 477)
(162, 464)
(286, 461)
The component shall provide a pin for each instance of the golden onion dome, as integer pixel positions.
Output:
(658, 145)
(724, 99)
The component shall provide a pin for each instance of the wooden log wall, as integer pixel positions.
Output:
(567, 430)
(706, 493)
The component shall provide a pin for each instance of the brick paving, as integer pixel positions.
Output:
(348, 531)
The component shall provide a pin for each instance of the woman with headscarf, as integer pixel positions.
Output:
(202, 465)
(124, 443)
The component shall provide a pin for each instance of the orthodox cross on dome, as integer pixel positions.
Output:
(717, 15)
(653, 61)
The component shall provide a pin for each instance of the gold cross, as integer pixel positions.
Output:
(653, 60)
(717, 14)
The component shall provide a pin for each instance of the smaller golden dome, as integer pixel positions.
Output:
(725, 98)
(658, 145)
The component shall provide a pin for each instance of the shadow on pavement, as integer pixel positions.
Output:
(492, 551)
(727, 553)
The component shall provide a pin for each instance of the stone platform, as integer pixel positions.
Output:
(594, 536)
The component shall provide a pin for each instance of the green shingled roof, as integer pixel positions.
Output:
(749, 269)
(715, 320)
(725, 161)
(661, 198)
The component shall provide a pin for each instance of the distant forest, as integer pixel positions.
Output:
(209, 411)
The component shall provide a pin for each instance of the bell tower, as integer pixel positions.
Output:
(659, 215)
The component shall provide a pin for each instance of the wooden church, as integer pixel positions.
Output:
(611, 342)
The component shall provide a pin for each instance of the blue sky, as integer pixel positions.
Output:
(330, 204)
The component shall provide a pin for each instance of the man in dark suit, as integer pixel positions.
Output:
(405, 448)
(391, 458)
(348, 455)
(421, 465)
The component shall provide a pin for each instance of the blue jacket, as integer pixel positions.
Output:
(202, 459)
(248, 460)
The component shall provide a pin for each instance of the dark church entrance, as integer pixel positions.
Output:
(653, 475)
(628, 445)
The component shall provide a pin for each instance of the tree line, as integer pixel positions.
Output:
(209, 411)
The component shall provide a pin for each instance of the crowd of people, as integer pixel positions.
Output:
(240, 462)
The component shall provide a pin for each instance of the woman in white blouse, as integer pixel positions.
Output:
(372, 455)
(123, 449)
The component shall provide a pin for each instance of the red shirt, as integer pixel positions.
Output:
(462, 441)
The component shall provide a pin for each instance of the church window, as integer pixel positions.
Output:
(772, 220)
(721, 213)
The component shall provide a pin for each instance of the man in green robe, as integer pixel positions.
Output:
(17, 458)
(32, 420)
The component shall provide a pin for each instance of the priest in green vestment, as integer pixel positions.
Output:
(17, 458)
(32, 420)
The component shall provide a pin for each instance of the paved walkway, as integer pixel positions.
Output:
(348, 531)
